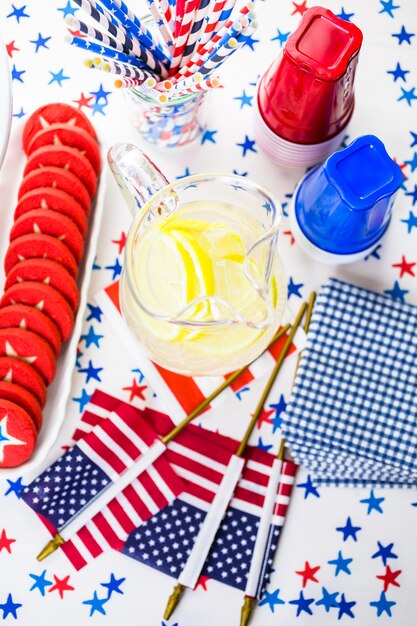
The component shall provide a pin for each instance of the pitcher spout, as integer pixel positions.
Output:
(137, 176)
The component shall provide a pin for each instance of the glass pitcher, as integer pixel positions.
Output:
(202, 287)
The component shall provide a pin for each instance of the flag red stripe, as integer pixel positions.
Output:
(199, 492)
(79, 434)
(105, 453)
(137, 502)
(120, 514)
(153, 491)
(120, 438)
(281, 509)
(193, 466)
(241, 493)
(256, 477)
(164, 469)
(135, 419)
(105, 400)
(184, 388)
(105, 529)
(73, 555)
(195, 439)
(89, 541)
(285, 489)
(91, 418)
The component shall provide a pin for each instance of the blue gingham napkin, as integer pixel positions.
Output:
(352, 416)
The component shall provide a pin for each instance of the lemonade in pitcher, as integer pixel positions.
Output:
(202, 286)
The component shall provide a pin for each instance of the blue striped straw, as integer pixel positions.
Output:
(93, 33)
(104, 51)
(196, 30)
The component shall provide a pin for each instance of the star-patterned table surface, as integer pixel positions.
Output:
(345, 554)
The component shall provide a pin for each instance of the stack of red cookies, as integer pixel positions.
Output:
(41, 265)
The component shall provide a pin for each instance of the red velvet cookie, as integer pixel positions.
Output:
(23, 398)
(14, 370)
(58, 178)
(29, 347)
(46, 299)
(48, 272)
(44, 221)
(17, 434)
(55, 113)
(38, 247)
(28, 316)
(58, 135)
(52, 199)
(68, 158)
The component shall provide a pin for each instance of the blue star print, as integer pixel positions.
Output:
(40, 42)
(116, 269)
(383, 605)
(91, 338)
(83, 400)
(345, 16)
(374, 503)
(10, 607)
(345, 607)
(20, 113)
(208, 135)
(413, 194)
(398, 73)
(328, 600)
(385, 552)
(263, 446)
(91, 372)
(374, 253)
(414, 138)
(271, 599)
(310, 489)
(294, 288)
(101, 94)
(408, 95)
(348, 530)
(342, 564)
(396, 293)
(95, 313)
(249, 41)
(113, 585)
(403, 36)
(281, 37)
(388, 7)
(68, 9)
(96, 604)
(15, 486)
(58, 77)
(303, 604)
(98, 107)
(244, 100)
(16, 75)
(279, 408)
(413, 162)
(40, 582)
(18, 13)
(246, 145)
(411, 221)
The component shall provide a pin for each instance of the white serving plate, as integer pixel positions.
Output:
(59, 390)
(5, 101)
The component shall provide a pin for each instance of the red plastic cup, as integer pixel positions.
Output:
(306, 97)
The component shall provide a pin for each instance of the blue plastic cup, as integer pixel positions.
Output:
(342, 208)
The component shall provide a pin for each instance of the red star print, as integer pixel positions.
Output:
(61, 585)
(5, 542)
(120, 242)
(308, 573)
(265, 418)
(136, 391)
(10, 47)
(76, 33)
(390, 577)
(83, 101)
(300, 8)
(290, 235)
(202, 582)
(405, 267)
(402, 166)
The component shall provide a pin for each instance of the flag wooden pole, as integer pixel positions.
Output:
(208, 530)
(142, 463)
(261, 543)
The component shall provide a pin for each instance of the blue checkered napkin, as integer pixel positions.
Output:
(352, 417)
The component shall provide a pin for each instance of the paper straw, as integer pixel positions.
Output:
(97, 13)
(196, 30)
(219, 56)
(225, 14)
(105, 51)
(124, 71)
(168, 14)
(162, 24)
(204, 85)
(149, 82)
(212, 21)
(182, 36)
(180, 9)
(94, 33)
(158, 96)
(122, 12)
(164, 85)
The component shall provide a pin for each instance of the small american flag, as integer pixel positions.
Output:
(117, 438)
(181, 394)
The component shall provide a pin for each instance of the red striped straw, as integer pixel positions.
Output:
(183, 33)
(229, 4)
(200, 16)
(180, 10)
(168, 14)
(211, 23)
(204, 85)
(162, 24)
(203, 51)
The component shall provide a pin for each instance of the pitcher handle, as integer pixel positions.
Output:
(136, 175)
